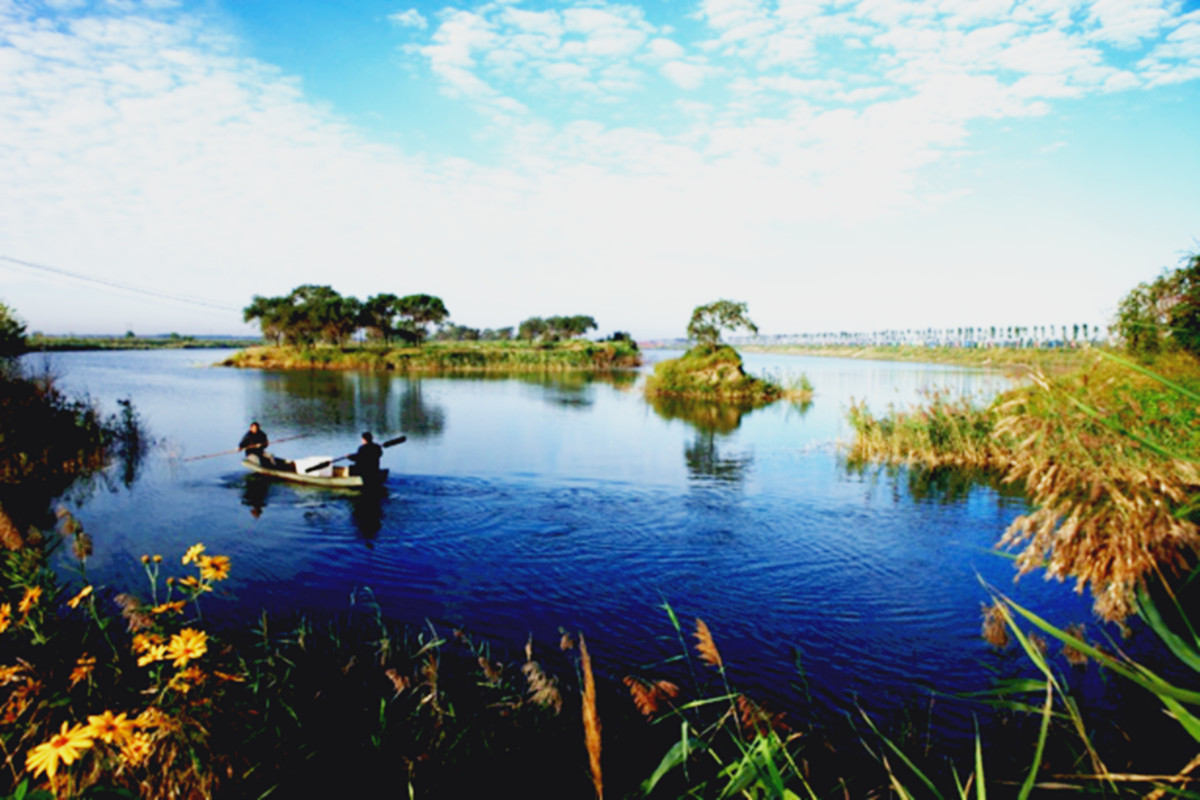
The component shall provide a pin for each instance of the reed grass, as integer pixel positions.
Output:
(1107, 455)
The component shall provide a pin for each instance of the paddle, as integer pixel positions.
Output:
(240, 449)
(323, 464)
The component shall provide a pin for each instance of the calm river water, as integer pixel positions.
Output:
(529, 504)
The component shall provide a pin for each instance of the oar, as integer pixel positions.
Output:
(240, 449)
(323, 464)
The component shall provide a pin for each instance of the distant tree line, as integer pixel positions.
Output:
(312, 314)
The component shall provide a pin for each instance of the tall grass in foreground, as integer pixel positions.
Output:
(129, 693)
(1115, 488)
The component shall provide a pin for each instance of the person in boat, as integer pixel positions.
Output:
(366, 460)
(255, 444)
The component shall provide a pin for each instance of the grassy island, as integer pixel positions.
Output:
(478, 356)
(710, 371)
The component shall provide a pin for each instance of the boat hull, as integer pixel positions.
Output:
(341, 478)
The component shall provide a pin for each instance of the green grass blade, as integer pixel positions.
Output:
(1027, 786)
(907, 761)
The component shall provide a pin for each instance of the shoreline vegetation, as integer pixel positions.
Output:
(436, 356)
(42, 343)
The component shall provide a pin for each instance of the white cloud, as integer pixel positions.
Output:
(684, 74)
(410, 18)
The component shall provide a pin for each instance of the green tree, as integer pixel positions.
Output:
(722, 315)
(308, 314)
(1184, 313)
(274, 316)
(418, 311)
(1164, 313)
(532, 328)
(12, 333)
(379, 316)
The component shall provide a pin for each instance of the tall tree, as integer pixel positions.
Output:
(419, 310)
(708, 321)
(379, 316)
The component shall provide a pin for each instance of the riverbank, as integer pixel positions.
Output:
(1053, 360)
(52, 344)
(507, 356)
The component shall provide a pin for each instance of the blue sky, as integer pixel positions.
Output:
(838, 165)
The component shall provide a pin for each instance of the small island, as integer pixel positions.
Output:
(712, 370)
(315, 327)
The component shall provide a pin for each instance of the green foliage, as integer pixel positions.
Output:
(553, 329)
(722, 315)
(1163, 314)
(12, 333)
(419, 310)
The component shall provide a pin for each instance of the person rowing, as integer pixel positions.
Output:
(255, 443)
(366, 459)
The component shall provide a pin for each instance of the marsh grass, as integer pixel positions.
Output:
(1107, 455)
(448, 357)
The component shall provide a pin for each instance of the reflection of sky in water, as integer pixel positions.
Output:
(520, 505)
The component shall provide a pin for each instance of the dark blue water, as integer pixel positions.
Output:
(527, 505)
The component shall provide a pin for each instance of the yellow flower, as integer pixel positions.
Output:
(83, 668)
(66, 746)
(156, 653)
(191, 582)
(110, 728)
(142, 642)
(214, 568)
(187, 645)
(177, 607)
(32, 593)
(193, 553)
(77, 599)
(5, 616)
(137, 749)
(145, 559)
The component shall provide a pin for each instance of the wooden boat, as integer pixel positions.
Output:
(340, 477)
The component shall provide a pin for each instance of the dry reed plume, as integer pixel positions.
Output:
(705, 645)
(650, 697)
(591, 719)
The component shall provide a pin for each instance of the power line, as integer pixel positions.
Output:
(118, 285)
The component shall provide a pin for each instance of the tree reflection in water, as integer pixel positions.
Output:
(714, 421)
